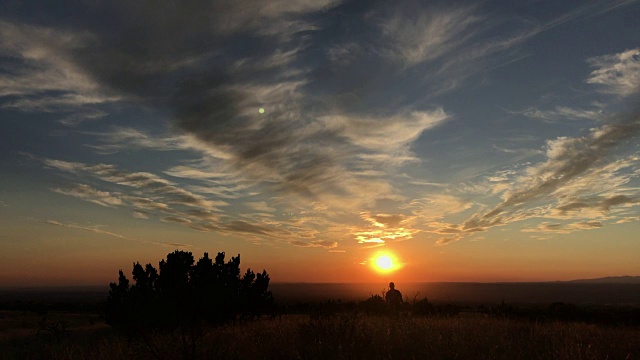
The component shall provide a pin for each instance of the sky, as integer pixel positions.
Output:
(468, 141)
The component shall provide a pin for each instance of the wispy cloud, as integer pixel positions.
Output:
(437, 206)
(140, 214)
(85, 192)
(470, 57)
(418, 36)
(591, 207)
(618, 74)
(148, 182)
(575, 168)
(583, 178)
(81, 116)
(389, 135)
(628, 219)
(98, 229)
(316, 243)
(150, 195)
(336, 157)
(176, 219)
(558, 228)
(564, 113)
(48, 78)
(260, 206)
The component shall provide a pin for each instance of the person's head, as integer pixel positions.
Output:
(392, 285)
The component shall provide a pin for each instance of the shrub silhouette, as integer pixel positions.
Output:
(184, 293)
(375, 304)
(423, 307)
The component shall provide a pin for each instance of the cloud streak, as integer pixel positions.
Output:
(97, 229)
(153, 195)
(418, 36)
(47, 78)
(570, 163)
(85, 192)
(617, 74)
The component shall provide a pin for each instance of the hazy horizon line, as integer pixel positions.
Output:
(38, 287)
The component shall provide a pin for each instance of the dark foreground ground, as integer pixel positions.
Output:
(69, 324)
(337, 336)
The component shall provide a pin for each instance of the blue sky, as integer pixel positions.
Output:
(473, 140)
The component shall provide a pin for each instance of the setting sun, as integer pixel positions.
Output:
(385, 262)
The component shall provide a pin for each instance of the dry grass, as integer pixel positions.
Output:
(349, 336)
(366, 337)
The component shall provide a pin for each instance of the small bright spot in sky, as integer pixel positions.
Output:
(261, 111)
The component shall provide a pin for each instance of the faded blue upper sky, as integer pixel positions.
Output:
(473, 140)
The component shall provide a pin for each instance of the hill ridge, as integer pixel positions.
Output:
(626, 279)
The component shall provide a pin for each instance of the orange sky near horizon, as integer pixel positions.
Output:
(71, 259)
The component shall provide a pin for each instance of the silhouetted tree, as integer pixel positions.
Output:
(117, 306)
(254, 294)
(185, 293)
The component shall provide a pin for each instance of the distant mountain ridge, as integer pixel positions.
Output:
(609, 280)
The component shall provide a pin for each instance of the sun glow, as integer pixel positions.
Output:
(385, 262)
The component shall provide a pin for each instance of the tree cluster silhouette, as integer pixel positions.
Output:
(185, 293)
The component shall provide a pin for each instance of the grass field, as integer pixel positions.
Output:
(338, 336)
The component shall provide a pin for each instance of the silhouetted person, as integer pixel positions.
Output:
(393, 297)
